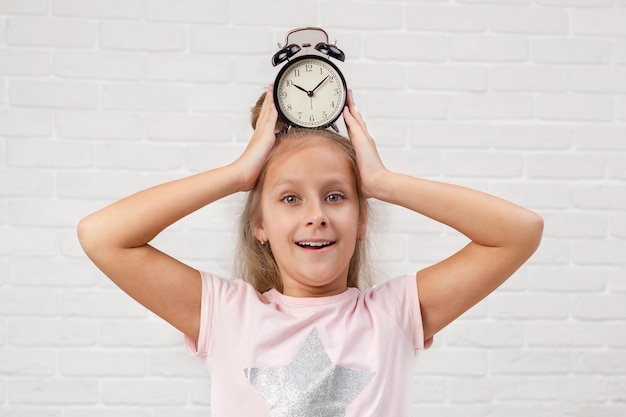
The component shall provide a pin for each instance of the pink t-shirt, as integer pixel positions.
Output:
(272, 355)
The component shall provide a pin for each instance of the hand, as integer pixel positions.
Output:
(371, 167)
(252, 159)
(301, 89)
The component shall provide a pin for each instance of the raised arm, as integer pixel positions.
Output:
(503, 235)
(116, 237)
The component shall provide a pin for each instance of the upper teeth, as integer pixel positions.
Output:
(316, 244)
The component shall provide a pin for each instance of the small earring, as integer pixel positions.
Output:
(263, 242)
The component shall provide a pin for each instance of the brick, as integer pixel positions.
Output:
(47, 213)
(24, 62)
(28, 242)
(99, 304)
(224, 97)
(462, 362)
(528, 306)
(392, 46)
(163, 37)
(139, 157)
(98, 125)
(576, 3)
(425, 250)
(98, 185)
(620, 108)
(51, 272)
(178, 364)
(602, 137)
(609, 22)
(615, 334)
(483, 164)
(605, 196)
(570, 280)
(50, 32)
(158, 393)
(211, 128)
(552, 388)
(113, 412)
(575, 225)
(616, 167)
(482, 334)
(23, 183)
(566, 335)
(617, 225)
(528, 20)
(14, 362)
(229, 40)
(519, 136)
(536, 78)
(491, 106)
(148, 97)
(138, 333)
(572, 166)
(619, 52)
(599, 307)
(48, 154)
(488, 48)
(362, 16)
(446, 77)
(449, 19)
(542, 362)
(570, 51)
(582, 107)
(30, 302)
(49, 391)
(51, 332)
(604, 363)
(449, 135)
(505, 2)
(200, 157)
(254, 69)
(407, 105)
(128, 9)
(374, 76)
(188, 11)
(471, 390)
(60, 94)
(25, 122)
(102, 364)
(204, 68)
(604, 80)
(429, 389)
(99, 65)
(30, 7)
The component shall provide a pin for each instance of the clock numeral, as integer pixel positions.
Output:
(296, 72)
(299, 115)
(332, 104)
(337, 91)
(324, 115)
(308, 67)
(283, 94)
(311, 118)
(288, 83)
(289, 107)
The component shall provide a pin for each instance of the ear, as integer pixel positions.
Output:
(259, 233)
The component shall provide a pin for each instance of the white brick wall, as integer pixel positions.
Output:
(522, 98)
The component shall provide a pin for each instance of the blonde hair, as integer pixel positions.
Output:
(255, 261)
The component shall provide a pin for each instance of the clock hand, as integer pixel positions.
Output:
(300, 88)
(320, 83)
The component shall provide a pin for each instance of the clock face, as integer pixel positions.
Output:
(310, 91)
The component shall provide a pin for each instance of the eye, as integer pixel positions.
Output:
(290, 199)
(334, 197)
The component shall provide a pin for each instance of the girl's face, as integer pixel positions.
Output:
(310, 217)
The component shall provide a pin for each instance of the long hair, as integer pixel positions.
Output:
(255, 262)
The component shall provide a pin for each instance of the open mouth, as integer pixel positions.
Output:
(314, 245)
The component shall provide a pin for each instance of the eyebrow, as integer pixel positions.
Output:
(330, 181)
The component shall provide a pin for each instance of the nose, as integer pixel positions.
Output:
(315, 215)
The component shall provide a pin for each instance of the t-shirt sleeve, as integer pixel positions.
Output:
(400, 299)
(200, 347)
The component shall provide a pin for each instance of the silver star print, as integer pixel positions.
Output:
(309, 386)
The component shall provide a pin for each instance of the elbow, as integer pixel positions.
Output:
(533, 228)
(86, 234)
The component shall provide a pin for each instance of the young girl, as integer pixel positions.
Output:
(296, 337)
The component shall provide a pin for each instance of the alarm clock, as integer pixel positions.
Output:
(309, 91)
